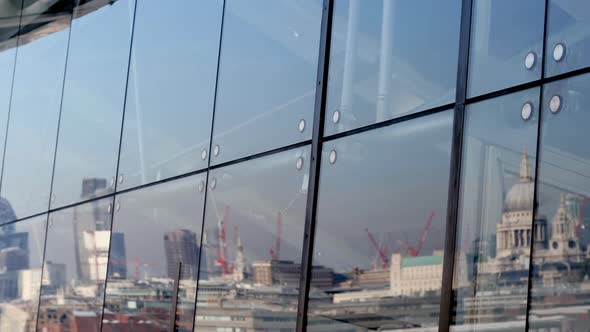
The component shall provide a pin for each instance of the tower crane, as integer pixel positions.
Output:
(382, 251)
(414, 252)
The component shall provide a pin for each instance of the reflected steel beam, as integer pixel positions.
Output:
(385, 60)
(348, 74)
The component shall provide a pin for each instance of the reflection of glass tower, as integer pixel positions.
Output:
(14, 257)
(181, 247)
(14, 252)
(92, 187)
(92, 234)
(209, 258)
(118, 257)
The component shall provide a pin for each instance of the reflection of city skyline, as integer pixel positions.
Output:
(266, 280)
(123, 102)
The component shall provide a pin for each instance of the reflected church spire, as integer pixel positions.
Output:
(525, 167)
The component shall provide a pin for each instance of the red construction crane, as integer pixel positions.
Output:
(414, 252)
(382, 251)
(221, 248)
(137, 264)
(275, 253)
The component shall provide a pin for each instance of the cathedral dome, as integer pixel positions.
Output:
(520, 196)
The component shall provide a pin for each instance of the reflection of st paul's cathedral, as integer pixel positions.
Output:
(556, 249)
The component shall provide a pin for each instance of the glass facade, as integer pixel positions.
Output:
(313, 165)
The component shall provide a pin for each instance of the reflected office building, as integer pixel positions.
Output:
(290, 166)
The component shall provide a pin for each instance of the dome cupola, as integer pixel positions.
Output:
(520, 196)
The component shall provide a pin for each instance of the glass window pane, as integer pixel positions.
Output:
(267, 73)
(21, 255)
(560, 292)
(381, 227)
(155, 229)
(171, 90)
(252, 243)
(495, 212)
(387, 60)
(34, 113)
(92, 107)
(568, 36)
(506, 44)
(75, 267)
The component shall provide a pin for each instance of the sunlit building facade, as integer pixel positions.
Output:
(294, 165)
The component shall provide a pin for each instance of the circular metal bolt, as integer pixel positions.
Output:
(112, 181)
(109, 208)
(216, 150)
(336, 116)
(299, 163)
(118, 206)
(529, 60)
(120, 178)
(213, 183)
(558, 52)
(332, 156)
(204, 154)
(301, 126)
(201, 186)
(555, 104)
(526, 111)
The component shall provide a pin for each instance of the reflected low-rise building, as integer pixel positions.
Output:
(407, 276)
(287, 273)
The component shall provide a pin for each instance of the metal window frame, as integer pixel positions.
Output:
(536, 181)
(453, 200)
(315, 163)
(454, 190)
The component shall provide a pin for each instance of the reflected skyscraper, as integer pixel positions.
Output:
(118, 257)
(181, 247)
(92, 234)
(14, 251)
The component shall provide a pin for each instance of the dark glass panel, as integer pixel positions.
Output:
(154, 230)
(93, 99)
(267, 76)
(390, 58)
(171, 89)
(252, 243)
(496, 212)
(381, 227)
